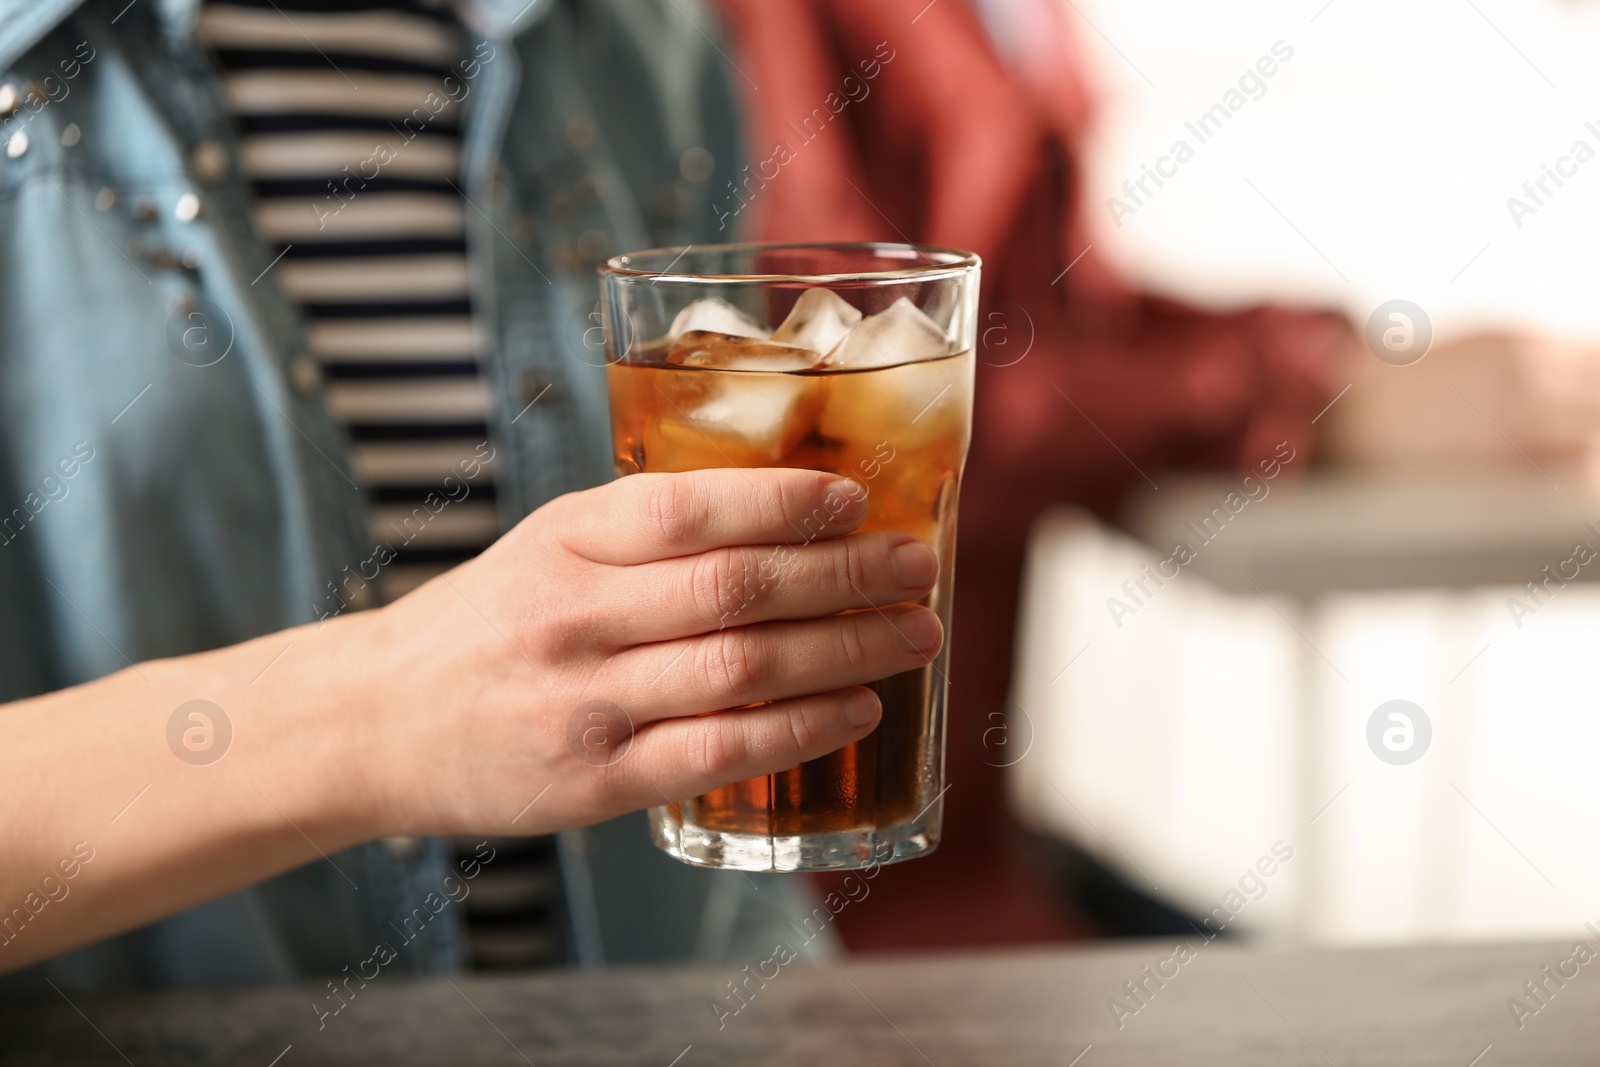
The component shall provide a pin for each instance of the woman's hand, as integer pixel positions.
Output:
(564, 676)
(583, 651)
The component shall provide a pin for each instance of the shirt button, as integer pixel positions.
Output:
(696, 164)
(402, 848)
(305, 373)
(208, 162)
(10, 98)
(71, 135)
(187, 209)
(17, 144)
(532, 386)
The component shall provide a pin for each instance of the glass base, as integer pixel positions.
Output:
(845, 850)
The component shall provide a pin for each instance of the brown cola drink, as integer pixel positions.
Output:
(884, 398)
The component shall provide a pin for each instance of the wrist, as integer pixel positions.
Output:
(388, 720)
(297, 711)
(338, 719)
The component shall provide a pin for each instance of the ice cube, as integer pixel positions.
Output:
(819, 320)
(900, 334)
(703, 348)
(745, 419)
(717, 316)
(908, 406)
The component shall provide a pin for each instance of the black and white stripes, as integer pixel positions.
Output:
(349, 116)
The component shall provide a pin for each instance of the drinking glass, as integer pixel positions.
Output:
(855, 359)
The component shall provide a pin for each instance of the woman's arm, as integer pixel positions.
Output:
(558, 679)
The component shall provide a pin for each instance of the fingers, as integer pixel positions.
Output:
(646, 517)
(686, 757)
(749, 584)
(777, 660)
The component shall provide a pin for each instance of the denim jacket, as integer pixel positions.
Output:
(171, 479)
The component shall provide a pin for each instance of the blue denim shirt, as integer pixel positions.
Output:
(171, 479)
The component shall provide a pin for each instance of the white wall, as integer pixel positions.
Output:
(1391, 140)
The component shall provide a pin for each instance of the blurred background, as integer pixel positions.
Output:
(1279, 534)
(1276, 536)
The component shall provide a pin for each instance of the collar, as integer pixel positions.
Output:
(502, 19)
(24, 22)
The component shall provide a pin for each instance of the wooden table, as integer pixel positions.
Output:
(1225, 1006)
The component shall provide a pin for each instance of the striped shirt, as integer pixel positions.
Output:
(349, 118)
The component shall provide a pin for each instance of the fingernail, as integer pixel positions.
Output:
(861, 708)
(915, 565)
(917, 630)
(845, 501)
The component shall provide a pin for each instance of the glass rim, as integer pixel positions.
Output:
(937, 263)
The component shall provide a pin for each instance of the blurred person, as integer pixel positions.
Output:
(963, 123)
(286, 294)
